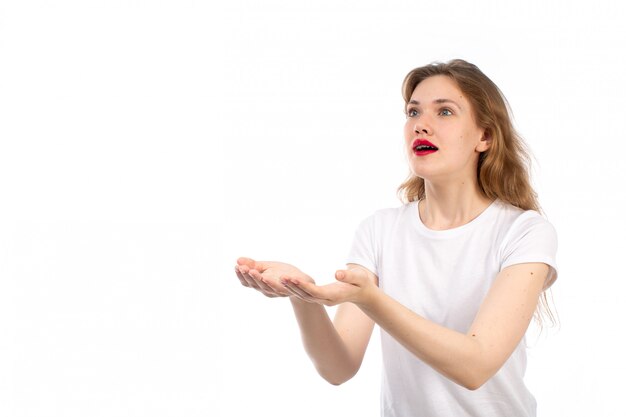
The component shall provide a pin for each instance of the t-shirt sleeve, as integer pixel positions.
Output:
(531, 239)
(363, 249)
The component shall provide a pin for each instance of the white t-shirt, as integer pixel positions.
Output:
(444, 275)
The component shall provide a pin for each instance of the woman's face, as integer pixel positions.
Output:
(442, 139)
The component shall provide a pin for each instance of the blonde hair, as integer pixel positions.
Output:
(503, 169)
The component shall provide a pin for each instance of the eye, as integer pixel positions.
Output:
(446, 112)
(411, 112)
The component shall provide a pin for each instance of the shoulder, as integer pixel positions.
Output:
(527, 237)
(524, 221)
(514, 220)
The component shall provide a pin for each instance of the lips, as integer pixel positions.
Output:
(423, 147)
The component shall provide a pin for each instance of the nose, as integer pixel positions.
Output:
(422, 125)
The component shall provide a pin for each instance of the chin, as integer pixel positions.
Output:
(421, 171)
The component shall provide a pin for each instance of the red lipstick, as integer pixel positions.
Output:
(423, 147)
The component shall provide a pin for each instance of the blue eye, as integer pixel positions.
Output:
(411, 113)
(448, 112)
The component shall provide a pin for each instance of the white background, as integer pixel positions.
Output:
(145, 145)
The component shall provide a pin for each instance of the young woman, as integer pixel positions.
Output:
(452, 277)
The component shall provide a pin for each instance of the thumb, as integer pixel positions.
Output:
(245, 261)
(349, 276)
(251, 263)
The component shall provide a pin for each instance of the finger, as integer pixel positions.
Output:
(293, 291)
(245, 273)
(243, 260)
(313, 293)
(252, 264)
(257, 280)
(309, 291)
(276, 287)
(349, 276)
(312, 290)
(242, 280)
(249, 262)
(262, 284)
(312, 298)
(247, 281)
(294, 288)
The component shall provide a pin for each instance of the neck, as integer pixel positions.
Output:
(452, 205)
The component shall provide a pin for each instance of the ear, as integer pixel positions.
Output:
(485, 141)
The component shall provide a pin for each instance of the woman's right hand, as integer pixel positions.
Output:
(266, 276)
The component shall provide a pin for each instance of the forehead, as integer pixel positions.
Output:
(438, 87)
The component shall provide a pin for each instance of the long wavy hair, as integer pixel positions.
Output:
(504, 169)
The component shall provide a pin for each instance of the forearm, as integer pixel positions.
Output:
(468, 359)
(322, 342)
(457, 356)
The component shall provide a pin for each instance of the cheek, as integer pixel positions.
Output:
(408, 130)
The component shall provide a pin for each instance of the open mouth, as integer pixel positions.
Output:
(423, 147)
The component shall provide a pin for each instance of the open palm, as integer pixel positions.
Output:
(267, 276)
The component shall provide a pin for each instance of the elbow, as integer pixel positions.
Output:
(335, 383)
(474, 380)
(473, 385)
(477, 371)
(472, 377)
(336, 378)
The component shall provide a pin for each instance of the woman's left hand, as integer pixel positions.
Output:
(355, 285)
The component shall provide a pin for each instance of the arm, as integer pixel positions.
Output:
(336, 349)
(468, 359)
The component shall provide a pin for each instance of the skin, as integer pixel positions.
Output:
(452, 199)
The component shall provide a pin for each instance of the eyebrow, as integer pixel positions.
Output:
(438, 101)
